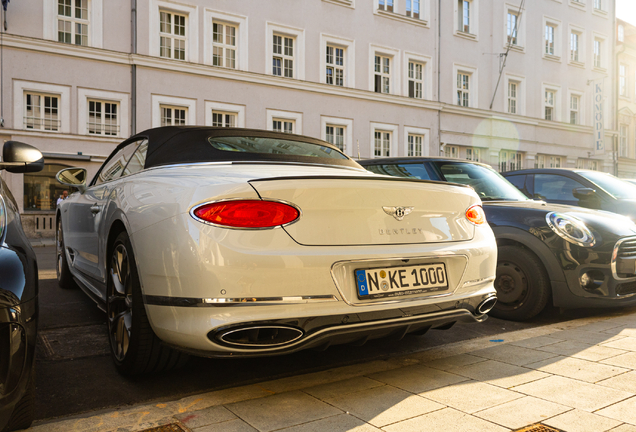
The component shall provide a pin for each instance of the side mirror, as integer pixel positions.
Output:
(19, 157)
(583, 193)
(74, 177)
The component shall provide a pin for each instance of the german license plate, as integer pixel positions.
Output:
(401, 281)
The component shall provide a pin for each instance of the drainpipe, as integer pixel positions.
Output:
(439, 70)
(133, 50)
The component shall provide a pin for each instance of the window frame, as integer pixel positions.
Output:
(521, 93)
(172, 35)
(95, 20)
(19, 109)
(518, 157)
(582, 46)
(556, 108)
(339, 122)
(242, 46)
(394, 77)
(557, 25)
(74, 21)
(192, 28)
(299, 49)
(239, 110)
(42, 107)
(521, 29)
(581, 107)
(425, 133)
(349, 58)
(295, 117)
(623, 77)
(473, 86)
(392, 129)
(174, 102)
(224, 46)
(84, 94)
(427, 82)
(623, 140)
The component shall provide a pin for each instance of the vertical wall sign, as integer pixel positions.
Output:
(599, 121)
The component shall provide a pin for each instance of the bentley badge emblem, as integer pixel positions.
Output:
(398, 212)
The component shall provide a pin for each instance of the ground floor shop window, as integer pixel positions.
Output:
(41, 190)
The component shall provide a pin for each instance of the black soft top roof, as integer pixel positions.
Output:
(189, 144)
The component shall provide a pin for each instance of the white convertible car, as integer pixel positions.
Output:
(237, 242)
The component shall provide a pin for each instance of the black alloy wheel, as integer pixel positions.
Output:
(522, 284)
(135, 349)
(64, 276)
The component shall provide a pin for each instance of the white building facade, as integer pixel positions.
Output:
(375, 77)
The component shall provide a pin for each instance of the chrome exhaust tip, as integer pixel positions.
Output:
(260, 336)
(487, 305)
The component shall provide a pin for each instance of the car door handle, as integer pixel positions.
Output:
(95, 209)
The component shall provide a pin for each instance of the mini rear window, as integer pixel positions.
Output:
(276, 146)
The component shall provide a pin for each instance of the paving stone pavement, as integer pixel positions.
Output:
(576, 376)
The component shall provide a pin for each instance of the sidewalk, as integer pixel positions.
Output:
(573, 376)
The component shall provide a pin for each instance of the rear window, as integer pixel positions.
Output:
(260, 145)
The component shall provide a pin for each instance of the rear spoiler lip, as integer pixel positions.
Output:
(371, 177)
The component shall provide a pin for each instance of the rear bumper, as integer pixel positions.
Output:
(318, 329)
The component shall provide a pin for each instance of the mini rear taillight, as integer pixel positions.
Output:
(247, 213)
(476, 215)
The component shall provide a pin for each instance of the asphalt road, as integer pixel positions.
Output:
(75, 373)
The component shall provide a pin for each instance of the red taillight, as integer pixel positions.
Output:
(247, 213)
(476, 215)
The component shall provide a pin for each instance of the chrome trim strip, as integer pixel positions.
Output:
(615, 257)
(222, 336)
(252, 162)
(195, 206)
(478, 281)
(241, 301)
(363, 303)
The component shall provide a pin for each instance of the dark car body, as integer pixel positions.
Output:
(18, 298)
(602, 275)
(577, 187)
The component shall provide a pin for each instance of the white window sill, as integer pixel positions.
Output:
(465, 35)
(600, 12)
(345, 3)
(578, 64)
(516, 48)
(625, 98)
(552, 57)
(403, 18)
(599, 69)
(577, 4)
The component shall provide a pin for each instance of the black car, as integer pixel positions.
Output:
(577, 187)
(574, 256)
(18, 298)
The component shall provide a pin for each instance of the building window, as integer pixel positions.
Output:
(550, 99)
(385, 5)
(42, 112)
(416, 80)
(511, 30)
(224, 45)
(451, 151)
(621, 33)
(173, 116)
(622, 147)
(575, 106)
(509, 161)
(473, 154)
(415, 145)
(72, 21)
(597, 53)
(550, 32)
(224, 119)
(463, 89)
(598, 4)
(544, 161)
(382, 74)
(413, 8)
(335, 67)
(575, 39)
(464, 15)
(513, 92)
(172, 35)
(622, 80)
(283, 125)
(283, 61)
(103, 118)
(335, 135)
(382, 144)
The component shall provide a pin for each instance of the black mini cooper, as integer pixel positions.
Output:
(18, 297)
(576, 257)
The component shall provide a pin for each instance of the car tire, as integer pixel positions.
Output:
(64, 276)
(522, 284)
(135, 349)
(24, 411)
